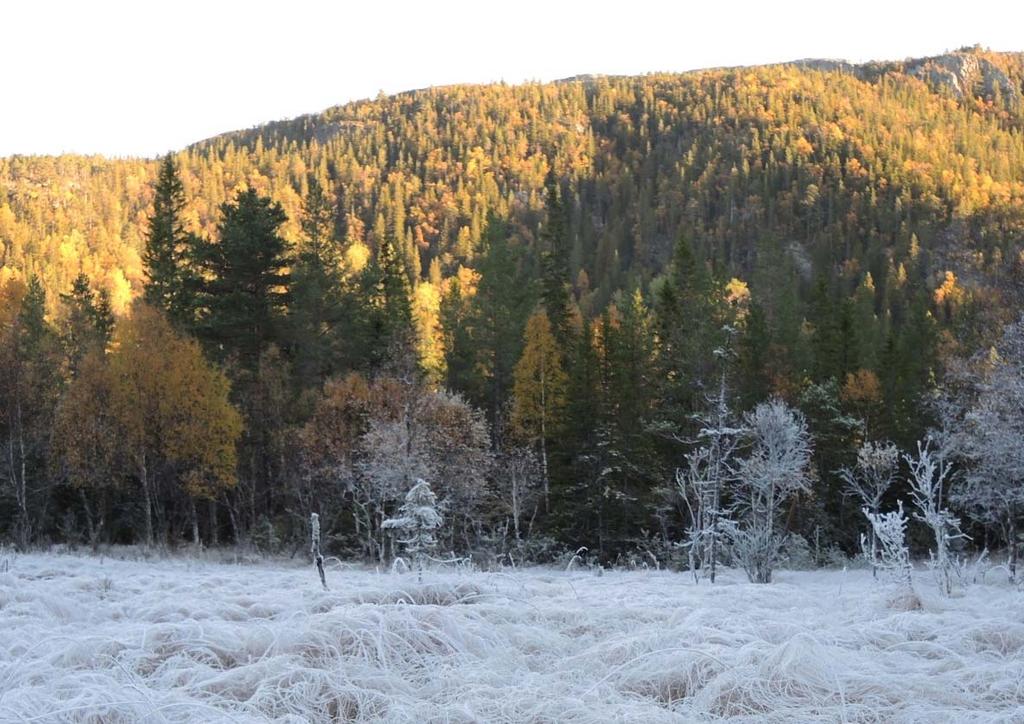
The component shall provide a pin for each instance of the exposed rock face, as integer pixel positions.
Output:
(964, 74)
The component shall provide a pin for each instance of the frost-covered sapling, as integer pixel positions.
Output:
(708, 469)
(893, 555)
(775, 470)
(868, 480)
(701, 491)
(929, 476)
(417, 522)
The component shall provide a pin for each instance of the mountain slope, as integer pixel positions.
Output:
(850, 168)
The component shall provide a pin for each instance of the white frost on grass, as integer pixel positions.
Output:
(86, 640)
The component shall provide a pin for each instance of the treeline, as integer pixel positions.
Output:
(258, 380)
(542, 284)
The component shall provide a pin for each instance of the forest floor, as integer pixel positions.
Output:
(85, 638)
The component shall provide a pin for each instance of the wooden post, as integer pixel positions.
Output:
(314, 524)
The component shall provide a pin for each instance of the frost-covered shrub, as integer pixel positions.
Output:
(893, 555)
(265, 536)
(797, 553)
(537, 549)
(757, 550)
(992, 491)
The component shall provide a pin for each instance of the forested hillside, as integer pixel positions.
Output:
(538, 295)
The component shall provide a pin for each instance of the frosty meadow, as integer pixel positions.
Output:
(88, 639)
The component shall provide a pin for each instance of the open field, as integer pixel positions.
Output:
(103, 640)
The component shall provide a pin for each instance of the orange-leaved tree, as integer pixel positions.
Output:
(540, 389)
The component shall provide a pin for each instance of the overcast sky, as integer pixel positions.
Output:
(142, 78)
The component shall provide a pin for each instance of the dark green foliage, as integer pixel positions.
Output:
(504, 297)
(246, 280)
(389, 335)
(554, 256)
(88, 322)
(318, 312)
(623, 206)
(169, 255)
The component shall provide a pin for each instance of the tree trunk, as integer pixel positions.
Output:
(544, 433)
(194, 516)
(214, 528)
(147, 501)
(515, 504)
(1012, 561)
(24, 525)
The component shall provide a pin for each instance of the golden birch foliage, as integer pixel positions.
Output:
(87, 437)
(172, 405)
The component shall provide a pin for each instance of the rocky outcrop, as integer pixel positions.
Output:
(964, 75)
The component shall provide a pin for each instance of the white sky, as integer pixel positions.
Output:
(141, 78)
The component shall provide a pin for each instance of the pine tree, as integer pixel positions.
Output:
(247, 281)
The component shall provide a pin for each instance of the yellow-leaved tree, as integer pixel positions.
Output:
(540, 389)
(167, 421)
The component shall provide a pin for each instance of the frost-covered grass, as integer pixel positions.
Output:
(85, 639)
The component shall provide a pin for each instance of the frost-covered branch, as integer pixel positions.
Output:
(929, 476)
(869, 480)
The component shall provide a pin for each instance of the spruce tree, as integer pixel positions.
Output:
(87, 322)
(393, 338)
(690, 316)
(499, 309)
(169, 254)
(555, 264)
(30, 385)
(317, 308)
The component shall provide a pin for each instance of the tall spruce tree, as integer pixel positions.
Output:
(30, 385)
(555, 273)
(499, 309)
(689, 312)
(318, 301)
(169, 254)
(392, 340)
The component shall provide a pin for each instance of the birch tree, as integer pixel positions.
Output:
(774, 471)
